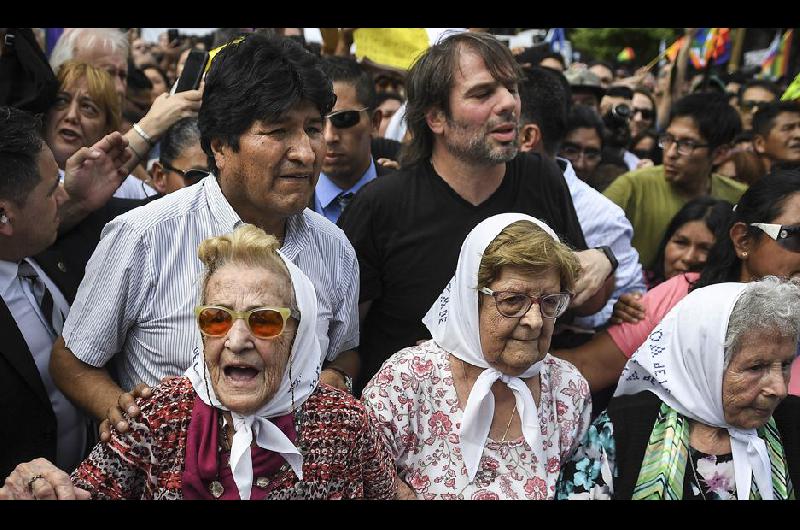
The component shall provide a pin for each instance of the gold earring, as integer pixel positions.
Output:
(744, 255)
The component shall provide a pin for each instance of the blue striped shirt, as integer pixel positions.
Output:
(136, 302)
(604, 224)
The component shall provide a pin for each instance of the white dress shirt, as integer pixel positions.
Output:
(27, 314)
(604, 224)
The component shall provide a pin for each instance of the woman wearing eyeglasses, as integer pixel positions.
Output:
(763, 239)
(248, 420)
(482, 411)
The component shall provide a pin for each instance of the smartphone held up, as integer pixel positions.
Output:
(193, 71)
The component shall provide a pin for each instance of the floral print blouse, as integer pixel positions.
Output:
(590, 472)
(413, 401)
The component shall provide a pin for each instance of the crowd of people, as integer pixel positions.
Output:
(493, 276)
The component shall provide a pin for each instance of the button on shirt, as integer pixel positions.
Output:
(143, 281)
(604, 224)
(30, 321)
(327, 192)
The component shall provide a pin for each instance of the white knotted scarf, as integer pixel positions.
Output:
(453, 324)
(682, 363)
(299, 381)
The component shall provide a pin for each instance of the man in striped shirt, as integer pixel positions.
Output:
(261, 124)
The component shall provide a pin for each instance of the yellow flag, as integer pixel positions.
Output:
(793, 92)
(394, 47)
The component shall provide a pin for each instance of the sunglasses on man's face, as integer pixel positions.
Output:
(787, 236)
(263, 322)
(749, 104)
(191, 176)
(344, 119)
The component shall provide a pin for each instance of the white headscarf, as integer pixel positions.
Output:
(453, 324)
(682, 363)
(299, 381)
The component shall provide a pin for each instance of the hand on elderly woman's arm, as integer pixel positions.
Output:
(595, 283)
(91, 176)
(40, 480)
(126, 405)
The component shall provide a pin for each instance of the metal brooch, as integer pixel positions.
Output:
(216, 489)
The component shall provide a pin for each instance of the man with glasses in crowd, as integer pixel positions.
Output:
(583, 143)
(698, 135)
(752, 95)
(348, 163)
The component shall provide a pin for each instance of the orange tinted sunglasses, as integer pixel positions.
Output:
(263, 322)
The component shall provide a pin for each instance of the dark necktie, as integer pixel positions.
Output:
(343, 199)
(54, 319)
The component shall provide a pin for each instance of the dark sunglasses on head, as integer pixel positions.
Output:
(263, 322)
(344, 119)
(647, 114)
(191, 176)
(787, 236)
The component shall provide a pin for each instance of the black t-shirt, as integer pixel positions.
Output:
(407, 229)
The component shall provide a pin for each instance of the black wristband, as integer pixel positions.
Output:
(611, 257)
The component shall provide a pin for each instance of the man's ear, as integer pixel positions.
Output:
(220, 151)
(158, 177)
(376, 119)
(759, 144)
(530, 136)
(6, 216)
(436, 119)
(719, 154)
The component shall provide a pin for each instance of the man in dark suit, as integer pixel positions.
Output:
(39, 277)
(349, 130)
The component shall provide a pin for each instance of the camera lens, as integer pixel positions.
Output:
(622, 111)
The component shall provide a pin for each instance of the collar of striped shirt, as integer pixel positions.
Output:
(297, 231)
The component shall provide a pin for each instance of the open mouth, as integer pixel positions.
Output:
(240, 373)
(69, 135)
(505, 133)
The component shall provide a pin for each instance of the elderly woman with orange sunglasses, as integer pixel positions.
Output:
(249, 419)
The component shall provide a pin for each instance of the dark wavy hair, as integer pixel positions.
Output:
(21, 142)
(715, 212)
(347, 70)
(431, 77)
(258, 78)
(718, 122)
(763, 202)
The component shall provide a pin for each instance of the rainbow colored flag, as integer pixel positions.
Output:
(708, 44)
(626, 55)
(776, 64)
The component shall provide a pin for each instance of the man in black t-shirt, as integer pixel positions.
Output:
(460, 168)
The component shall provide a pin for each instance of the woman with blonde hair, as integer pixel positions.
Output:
(86, 108)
